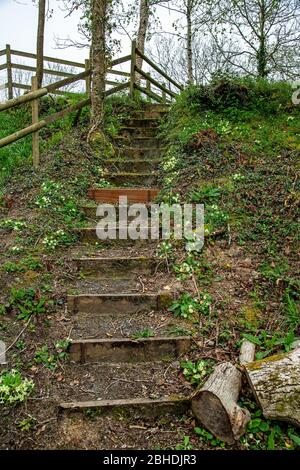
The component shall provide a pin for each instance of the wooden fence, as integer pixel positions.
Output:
(137, 81)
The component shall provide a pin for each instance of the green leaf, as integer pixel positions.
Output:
(253, 339)
(271, 440)
(295, 439)
(264, 426)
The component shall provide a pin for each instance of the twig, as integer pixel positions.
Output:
(229, 235)
(195, 285)
(16, 339)
(141, 282)
(168, 268)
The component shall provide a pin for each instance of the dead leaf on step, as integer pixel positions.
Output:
(42, 429)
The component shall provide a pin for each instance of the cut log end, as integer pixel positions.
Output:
(215, 404)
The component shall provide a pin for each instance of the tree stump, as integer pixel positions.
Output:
(275, 382)
(215, 404)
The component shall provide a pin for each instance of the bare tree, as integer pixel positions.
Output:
(142, 29)
(185, 28)
(265, 35)
(167, 51)
(84, 27)
(146, 10)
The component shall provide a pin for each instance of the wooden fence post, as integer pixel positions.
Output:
(148, 88)
(132, 68)
(35, 120)
(164, 95)
(9, 72)
(88, 78)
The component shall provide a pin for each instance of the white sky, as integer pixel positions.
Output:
(18, 25)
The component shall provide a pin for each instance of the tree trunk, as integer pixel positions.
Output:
(142, 30)
(262, 50)
(215, 404)
(40, 43)
(99, 59)
(189, 41)
(275, 382)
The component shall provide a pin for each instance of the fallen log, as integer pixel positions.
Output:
(275, 382)
(215, 404)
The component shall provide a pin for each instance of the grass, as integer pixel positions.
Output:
(20, 151)
(234, 146)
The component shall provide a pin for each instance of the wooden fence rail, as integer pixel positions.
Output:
(154, 90)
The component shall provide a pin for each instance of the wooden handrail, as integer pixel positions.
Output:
(149, 93)
(121, 60)
(48, 59)
(43, 123)
(155, 82)
(43, 91)
(64, 112)
(21, 86)
(29, 68)
(35, 94)
(158, 69)
(121, 87)
(67, 81)
(118, 72)
(23, 99)
(22, 133)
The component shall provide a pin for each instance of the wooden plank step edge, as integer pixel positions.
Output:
(118, 304)
(128, 350)
(158, 406)
(118, 258)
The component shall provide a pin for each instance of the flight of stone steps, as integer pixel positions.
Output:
(115, 368)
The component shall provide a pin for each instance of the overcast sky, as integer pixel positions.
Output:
(18, 25)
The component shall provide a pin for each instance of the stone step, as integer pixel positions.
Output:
(138, 142)
(133, 179)
(134, 195)
(89, 235)
(117, 268)
(154, 107)
(131, 351)
(139, 120)
(135, 165)
(155, 114)
(140, 153)
(143, 407)
(148, 324)
(119, 304)
(91, 212)
(130, 132)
